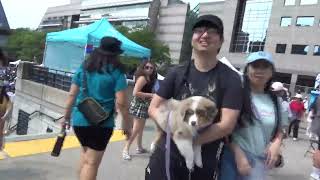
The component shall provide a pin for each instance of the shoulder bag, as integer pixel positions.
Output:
(89, 107)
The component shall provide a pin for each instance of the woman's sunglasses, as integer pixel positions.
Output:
(148, 67)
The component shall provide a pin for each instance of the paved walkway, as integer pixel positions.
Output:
(25, 148)
(37, 164)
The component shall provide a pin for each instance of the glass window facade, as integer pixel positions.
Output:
(289, 2)
(305, 21)
(299, 49)
(249, 34)
(132, 24)
(281, 48)
(316, 50)
(285, 21)
(139, 10)
(307, 2)
(130, 14)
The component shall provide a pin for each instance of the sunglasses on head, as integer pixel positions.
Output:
(148, 67)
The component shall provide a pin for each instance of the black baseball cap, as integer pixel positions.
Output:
(209, 20)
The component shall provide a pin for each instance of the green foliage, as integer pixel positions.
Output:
(123, 30)
(144, 37)
(29, 45)
(26, 44)
(130, 63)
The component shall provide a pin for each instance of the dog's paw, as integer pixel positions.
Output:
(152, 147)
(197, 156)
(190, 165)
(198, 162)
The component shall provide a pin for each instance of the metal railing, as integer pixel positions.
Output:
(41, 113)
(186, 49)
(196, 9)
(14, 127)
(51, 77)
(11, 129)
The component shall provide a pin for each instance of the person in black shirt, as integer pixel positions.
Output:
(206, 76)
(145, 78)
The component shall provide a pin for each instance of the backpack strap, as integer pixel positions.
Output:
(84, 82)
(182, 81)
(277, 116)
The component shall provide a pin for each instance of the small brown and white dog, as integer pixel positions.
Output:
(187, 117)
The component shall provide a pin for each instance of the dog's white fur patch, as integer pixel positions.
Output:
(183, 132)
(195, 103)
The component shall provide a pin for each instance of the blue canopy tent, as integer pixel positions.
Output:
(65, 50)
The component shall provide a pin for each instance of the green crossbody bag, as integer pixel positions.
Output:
(90, 108)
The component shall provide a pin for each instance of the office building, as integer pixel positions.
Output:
(122, 12)
(170, 26)
(61, 17)
(289, 29)
(129, 13)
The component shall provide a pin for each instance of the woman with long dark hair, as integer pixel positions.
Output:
(255, 143)
(5, 102)
(145, 78)
(105, 83)
(5, 111)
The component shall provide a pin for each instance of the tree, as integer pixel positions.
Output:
(30, 45)
(26, 44)
(145, 37)
(153, 15)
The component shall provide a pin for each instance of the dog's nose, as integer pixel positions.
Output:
(193, 123)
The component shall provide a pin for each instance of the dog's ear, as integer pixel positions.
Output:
(211, 111)
(172, 104)
(177, 106)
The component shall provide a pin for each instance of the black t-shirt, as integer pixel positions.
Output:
(221, 84)
(199, 84)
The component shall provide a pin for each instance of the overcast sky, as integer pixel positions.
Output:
(28, 13)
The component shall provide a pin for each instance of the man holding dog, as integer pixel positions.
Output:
(204, 76)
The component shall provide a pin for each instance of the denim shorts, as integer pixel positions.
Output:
(229, 170)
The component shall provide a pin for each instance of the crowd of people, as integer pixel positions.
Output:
(255, 113)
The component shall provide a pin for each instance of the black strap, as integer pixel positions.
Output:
(85, 87)
(182, 81)
(84, 83)
(277, 117)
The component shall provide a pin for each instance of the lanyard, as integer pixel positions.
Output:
(168, 146)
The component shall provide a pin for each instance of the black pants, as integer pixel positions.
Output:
(178, 170)
(156, 169)
(295, 125)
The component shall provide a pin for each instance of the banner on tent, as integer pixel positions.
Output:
(89, 48)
